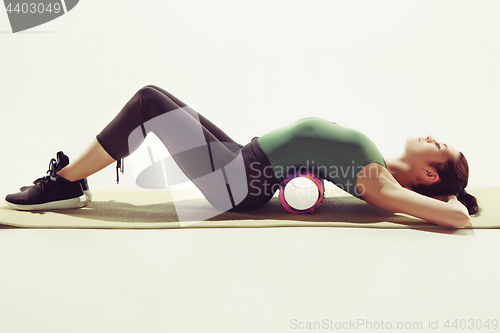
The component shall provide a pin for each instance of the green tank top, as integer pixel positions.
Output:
(333, 152)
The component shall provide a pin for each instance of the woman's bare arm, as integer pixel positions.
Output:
(380, 189)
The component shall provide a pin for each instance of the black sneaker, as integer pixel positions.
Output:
(50, 192)
(62, 161)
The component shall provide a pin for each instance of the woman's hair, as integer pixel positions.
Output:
(453, 176)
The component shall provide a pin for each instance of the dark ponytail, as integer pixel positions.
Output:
(454, 176)
(468, 201)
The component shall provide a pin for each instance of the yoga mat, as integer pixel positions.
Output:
(157, 210)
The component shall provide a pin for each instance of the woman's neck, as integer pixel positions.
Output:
(401, 170)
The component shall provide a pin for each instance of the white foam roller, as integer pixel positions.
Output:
(301, 193)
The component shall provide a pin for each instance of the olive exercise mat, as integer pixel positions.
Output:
(157, 209)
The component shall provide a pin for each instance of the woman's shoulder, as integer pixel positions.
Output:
(373, 177)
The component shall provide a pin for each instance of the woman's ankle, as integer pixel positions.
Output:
(64, 174)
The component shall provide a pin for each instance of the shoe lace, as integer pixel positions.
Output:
(120, 166)
(51, 174)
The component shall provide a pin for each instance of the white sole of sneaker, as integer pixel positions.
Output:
(79, 202)
(88, 194)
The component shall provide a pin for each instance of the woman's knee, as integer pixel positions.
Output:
(152, 86)
(154, 102)
(147, 91)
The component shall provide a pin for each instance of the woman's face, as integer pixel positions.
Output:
(428, 150)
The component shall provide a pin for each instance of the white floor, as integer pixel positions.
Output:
(247, 280)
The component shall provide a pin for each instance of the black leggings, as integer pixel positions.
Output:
(230, 176)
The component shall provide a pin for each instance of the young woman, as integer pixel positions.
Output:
(427, 181)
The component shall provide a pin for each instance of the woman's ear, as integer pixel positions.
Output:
(430, 175)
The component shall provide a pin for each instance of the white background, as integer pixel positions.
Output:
(389, 69)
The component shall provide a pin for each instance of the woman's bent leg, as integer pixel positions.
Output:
(96, 158)
(200, 153)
